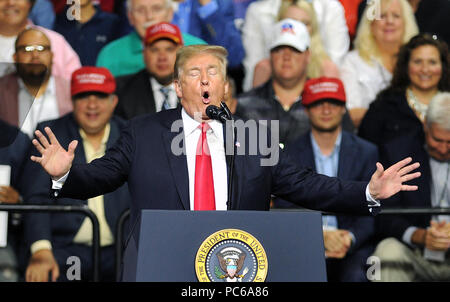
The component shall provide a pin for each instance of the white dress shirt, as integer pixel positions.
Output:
(34, 110)
(159, 96)
(214, 136)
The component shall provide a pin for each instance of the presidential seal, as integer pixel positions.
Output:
(231, 255)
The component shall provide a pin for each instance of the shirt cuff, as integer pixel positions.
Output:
(58, 184)
(207, 10)
(372, 202)
(40, 245)
(407, 235)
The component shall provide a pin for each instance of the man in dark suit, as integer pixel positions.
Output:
(329, 150)
(53, 238)
(416, 247)
(14, 149)
(176, 159)
(151, 89)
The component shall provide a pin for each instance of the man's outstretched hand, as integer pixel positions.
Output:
(55, 160)
(385, 183)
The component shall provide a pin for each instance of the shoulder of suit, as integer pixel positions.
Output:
(363, 144)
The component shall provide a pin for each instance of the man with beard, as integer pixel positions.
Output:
(331, 151)
(151, 90)
(33, 94)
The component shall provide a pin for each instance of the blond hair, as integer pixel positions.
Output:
(187, 52)
(317, 50)
(365, 42)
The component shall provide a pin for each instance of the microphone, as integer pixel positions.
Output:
(221, 114)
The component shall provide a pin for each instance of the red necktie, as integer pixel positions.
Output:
(204, 199)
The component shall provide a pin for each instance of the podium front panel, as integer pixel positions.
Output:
(169, 242)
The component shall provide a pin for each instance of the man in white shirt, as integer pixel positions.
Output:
(152, 156)
(33, 94)
(151, 89)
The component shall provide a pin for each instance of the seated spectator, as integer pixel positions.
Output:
(421, 73)
(320, 63)
(65, 60)
(280, 97)
(33, 94)
(43, 14)
(14, 151)
(329, 150)
(55, 237)
(213, 22)
(431, 16)
(90, 33)
(151, 89)
(368, 68)
(416, 246)
(124, 56)
(260, 17)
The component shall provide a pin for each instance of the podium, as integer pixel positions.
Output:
(178, 246)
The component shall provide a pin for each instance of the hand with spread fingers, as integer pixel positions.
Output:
(55, 160)
(385, 183)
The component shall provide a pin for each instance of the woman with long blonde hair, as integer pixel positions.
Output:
(368, 68)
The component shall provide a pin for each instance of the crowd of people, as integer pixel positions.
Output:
(351, 83)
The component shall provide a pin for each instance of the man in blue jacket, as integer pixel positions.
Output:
(329, 150)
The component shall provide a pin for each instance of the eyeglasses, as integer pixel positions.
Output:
(31, 48)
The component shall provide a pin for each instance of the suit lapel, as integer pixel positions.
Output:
(305, 154)
(238, 170)
(177, 163)
(346, 155)
(149, 105)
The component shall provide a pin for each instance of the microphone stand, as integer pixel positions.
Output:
(224, 107)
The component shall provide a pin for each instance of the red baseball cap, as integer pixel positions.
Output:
(92, 79)
(163, 30)
(323, 88)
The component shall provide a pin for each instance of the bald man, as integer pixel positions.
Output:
(33, 94)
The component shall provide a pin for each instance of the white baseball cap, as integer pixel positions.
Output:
(290, 32)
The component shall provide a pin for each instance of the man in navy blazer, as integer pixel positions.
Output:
(53, 238)
(329, 150)
(156, 155)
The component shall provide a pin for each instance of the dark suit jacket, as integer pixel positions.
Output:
(395, 225)
(59, 228)
(158, 178)
(135, 95)
(14, 150)
(357, 159)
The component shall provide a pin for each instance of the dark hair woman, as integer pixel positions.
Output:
(421, 73)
